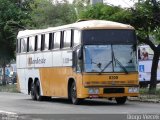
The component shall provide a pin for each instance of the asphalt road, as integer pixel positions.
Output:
(22, 105)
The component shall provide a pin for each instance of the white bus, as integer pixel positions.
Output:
(87, 59)
(145, 66)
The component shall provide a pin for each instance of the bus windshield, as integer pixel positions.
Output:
(110, 58)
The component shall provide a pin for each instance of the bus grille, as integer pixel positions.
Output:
(113, 90)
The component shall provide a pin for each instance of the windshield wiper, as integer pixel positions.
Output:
(106, 66)
(125, 70)
(98, 64)
(115, 59)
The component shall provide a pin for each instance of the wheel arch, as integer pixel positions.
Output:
(70, 81)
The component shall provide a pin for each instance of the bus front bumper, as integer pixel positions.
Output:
(108, 92)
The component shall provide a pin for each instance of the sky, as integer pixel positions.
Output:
(122, 3)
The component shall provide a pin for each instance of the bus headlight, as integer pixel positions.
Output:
(133, 89)
(93, 90)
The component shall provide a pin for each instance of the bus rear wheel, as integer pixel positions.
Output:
(38, 91)
(73, 94)
(121, 100)
(33, 96)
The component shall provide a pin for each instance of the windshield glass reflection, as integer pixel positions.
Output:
(110, 58)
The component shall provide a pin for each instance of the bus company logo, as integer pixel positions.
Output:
(36, 61)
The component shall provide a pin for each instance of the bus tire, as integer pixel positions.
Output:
(33, 96)
(73, 94)
(121, 100)
(38, 91)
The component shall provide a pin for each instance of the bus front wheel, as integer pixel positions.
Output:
(121, 100)
(73, 94)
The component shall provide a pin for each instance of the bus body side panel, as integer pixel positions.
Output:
(58, 79)
(21, 66)
(54, 76)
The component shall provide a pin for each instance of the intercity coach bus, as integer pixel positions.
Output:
(86, 59)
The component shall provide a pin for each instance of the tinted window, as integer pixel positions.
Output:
(39, 42)
(42, 41)
(51, 41)
(101, 37)
(57, 40)
(18, 45)
(24, 45)
(46, 45)
(67, 38)
(31, 43)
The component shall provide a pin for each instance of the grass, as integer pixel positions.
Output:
(144, 92)
(8, 88)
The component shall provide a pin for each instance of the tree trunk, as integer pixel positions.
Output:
(4, 77)
(153, 79)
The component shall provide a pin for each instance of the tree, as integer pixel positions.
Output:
(146, 20)
(9, 11)
(80, 5)
(105, 12)
(46, 14)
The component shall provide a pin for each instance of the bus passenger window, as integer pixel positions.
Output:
(46, 43)
(57, 40)
(76, 37)
(67, 38)
(24, 45)
(51, 41)
(18, 45)
(31, 44)
(42, 41)
(38, 42)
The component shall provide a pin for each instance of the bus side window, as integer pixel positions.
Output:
(76, 37)
(62, 39)
(18, 45)
(31, 44)
(46, 43)
(67, 38)
(51, 41)
(23, 45)
(57, 40)
(42, 41)
(38, 44)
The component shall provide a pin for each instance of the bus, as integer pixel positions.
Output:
(145, 66)
(85, 59)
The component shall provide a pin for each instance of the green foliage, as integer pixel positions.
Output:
(145, 18)
(9, 88)
(9, 11)
(106, 12)
(46, 14)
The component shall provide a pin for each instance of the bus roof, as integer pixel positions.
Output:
(89, 24)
